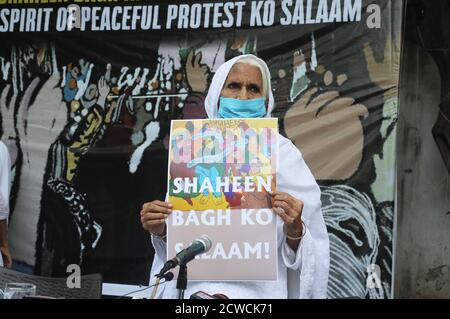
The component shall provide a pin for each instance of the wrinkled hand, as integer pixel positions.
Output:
(154, 215)
(196, 72)
(6, 254)
(290, 211)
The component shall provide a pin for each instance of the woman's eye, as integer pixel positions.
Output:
(254, 89)
(234, 86)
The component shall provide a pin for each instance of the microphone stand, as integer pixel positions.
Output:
(182, 280)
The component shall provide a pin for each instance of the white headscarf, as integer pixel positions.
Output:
(212, 99)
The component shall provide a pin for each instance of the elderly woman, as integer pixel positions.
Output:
(241, 88)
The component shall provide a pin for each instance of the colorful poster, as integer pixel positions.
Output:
(219, 179)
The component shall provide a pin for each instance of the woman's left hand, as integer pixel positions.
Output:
(290, 210)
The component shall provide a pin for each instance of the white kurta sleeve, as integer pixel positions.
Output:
(312, 259)
(159, 258)
(160, 247)
(5, 173)
(292, 259)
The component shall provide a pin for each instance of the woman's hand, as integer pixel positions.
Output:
(153, 216)
(290, 211)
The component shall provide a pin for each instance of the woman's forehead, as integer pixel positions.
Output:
(243, 72)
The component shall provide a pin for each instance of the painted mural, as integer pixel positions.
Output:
(86, 118)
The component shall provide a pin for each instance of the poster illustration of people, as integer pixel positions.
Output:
(88, 93)
(220, 176)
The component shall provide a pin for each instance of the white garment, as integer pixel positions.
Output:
(301, 274)
(5, 180)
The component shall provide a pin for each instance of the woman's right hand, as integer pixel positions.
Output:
(153, 216)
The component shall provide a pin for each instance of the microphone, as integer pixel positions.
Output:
(168, 277)
(198, 246)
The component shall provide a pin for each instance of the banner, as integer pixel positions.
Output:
(88, 91)
(138, 16)
(220, 175)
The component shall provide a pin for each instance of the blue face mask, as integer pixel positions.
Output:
(234, 108)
